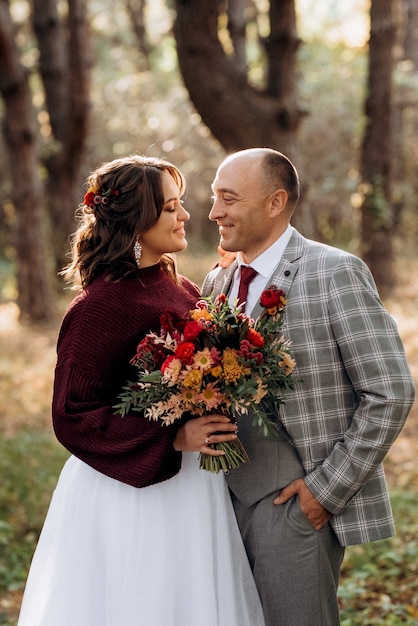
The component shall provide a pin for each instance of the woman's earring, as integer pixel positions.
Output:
(137, 251)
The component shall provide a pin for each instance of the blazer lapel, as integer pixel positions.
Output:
(285, 271)
(224, 285)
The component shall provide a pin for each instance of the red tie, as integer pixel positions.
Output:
(247, 274)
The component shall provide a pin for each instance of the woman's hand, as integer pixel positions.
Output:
(198, 433)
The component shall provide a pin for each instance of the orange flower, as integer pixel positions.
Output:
(201, 314)
(255, 338)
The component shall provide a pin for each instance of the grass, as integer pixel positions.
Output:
(29, 465)
(380, 580)
(30, 462)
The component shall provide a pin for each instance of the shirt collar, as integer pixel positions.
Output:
(264, 263)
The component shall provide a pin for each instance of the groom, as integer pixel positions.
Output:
(319, 485)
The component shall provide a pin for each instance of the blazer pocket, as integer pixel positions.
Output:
(322, 449)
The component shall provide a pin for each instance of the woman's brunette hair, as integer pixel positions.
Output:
(123, 201)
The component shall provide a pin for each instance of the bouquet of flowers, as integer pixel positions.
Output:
(216, 359)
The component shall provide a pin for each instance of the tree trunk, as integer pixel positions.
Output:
(377, 150)
(238, 115)
(282, 46)
(405, 116)
(65, 62)
(53, 63)
(33, 285)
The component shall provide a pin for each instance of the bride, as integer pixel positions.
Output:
(136, 534)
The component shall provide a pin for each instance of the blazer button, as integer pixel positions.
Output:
(287, 273)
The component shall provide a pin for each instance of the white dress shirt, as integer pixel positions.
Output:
(265, 265)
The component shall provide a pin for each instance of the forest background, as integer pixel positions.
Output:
(324, 90)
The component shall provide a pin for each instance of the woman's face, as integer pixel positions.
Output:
(167, 234)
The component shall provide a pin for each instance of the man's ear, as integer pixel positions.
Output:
(278, 202)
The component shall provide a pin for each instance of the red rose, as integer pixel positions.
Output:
(185, 351)
(192, 330)
(255, 338)
(221, 298)
(271, 297)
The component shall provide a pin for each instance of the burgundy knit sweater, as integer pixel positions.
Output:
(98, 337)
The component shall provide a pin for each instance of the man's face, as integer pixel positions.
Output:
(241, 207)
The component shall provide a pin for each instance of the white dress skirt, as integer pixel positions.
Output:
(166, 555)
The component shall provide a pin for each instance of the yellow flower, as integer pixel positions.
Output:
(193, 379)
(232, 369)
(216, 371)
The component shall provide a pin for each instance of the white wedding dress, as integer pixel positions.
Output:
(165, 555)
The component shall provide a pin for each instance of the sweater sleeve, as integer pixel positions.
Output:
(95, 344)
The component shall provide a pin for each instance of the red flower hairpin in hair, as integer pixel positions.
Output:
(93, 197)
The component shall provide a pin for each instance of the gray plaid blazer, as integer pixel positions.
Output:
(355, 388)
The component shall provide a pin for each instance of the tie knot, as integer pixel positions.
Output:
(247, 274)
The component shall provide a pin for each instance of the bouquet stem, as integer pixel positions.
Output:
(234, 456)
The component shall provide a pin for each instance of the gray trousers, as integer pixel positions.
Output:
(296, 568)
